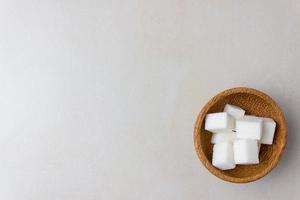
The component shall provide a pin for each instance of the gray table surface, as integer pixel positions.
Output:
(99, 98)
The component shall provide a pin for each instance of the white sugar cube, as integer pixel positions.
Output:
(249, 127)
(252, 117)
(246, 152)
(219, 122)
(223, 157)
(234, 111)
(268, 131)
(223, 137)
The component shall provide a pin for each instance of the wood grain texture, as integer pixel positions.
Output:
(255, 103)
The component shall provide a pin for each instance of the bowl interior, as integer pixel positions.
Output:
(255, 103)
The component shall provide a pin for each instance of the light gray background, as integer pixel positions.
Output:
(98, 98)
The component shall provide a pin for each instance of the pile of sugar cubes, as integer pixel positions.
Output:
(237, 137)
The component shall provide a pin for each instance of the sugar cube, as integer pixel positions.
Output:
(246, 151)
(219, 122)
(234, 111)
(223, 137)
(268, 131)
(251, 117)
(249, 127)
(223, 157)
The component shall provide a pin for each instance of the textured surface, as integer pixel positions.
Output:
(254, 103)
(98, 98)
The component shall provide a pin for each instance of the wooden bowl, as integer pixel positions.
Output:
(255, 103)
